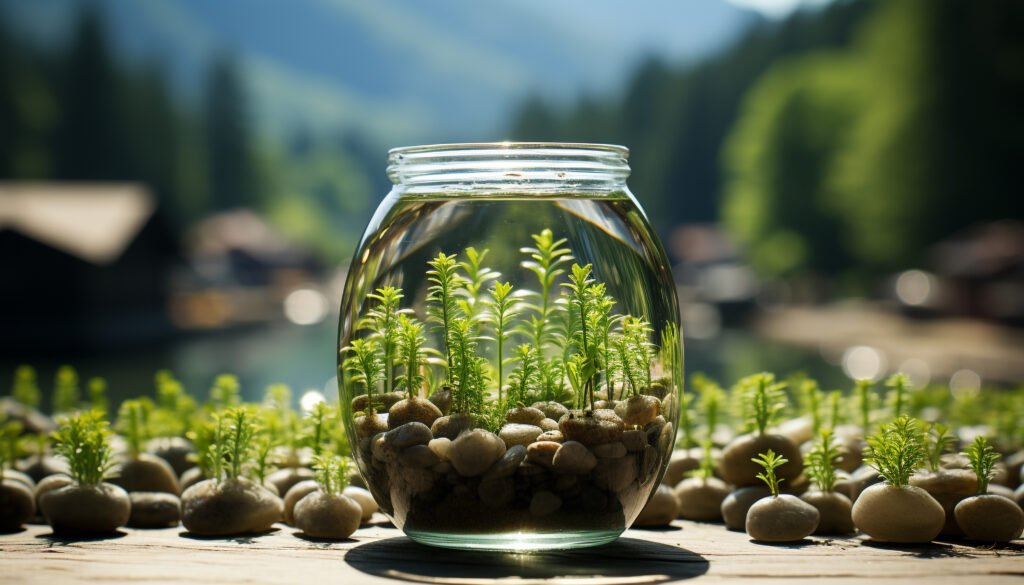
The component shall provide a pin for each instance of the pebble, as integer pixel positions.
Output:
(508, 463)
(736, 504)
(549, 424)
(382, 450)
(615, 474)
(573, 458)
(409, 434)
(418, 456)
(442, 399)
(542, 453)
(451, 426)
(785, 518)
(519, 434)
(364, 498)
(284, 479)
(384, 401)
(526, 415)
(611, 450)
(680, 463)
(661, 509)
(592, 428)
(738, 468)
(474, 451)
(834, 512)
(322, 515)
(496, 492)
(701, 499)
(605, 404)
(555, 436)
(638, 410)
(898, 514)
(440, 447)
(544, 503)
(552, 410)
(634, 440)
(231, 506)
(990, 518)
(370, 425)
(298, 491)
(412, 410)
(949, 487)
(154, 510)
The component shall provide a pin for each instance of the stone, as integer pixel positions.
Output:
(382, 450)
(591, 428)
(898, 514)
(412, 410)
(451, 426)
(230, 506)
(661, 509)
(364, 498)
(418, 456)
(555, 436)
(605, 404)
(573, 458)
(383, 401)
(17, 506)
(990, 518)
(701, 499)
(474, 451)
(15, 475)
(544, 503)
(784, 518)
(548, 425)
(328, 516)
(509, 462)
(834, 512)
(496, 492)
(154, 510)
(615, 474)
(738, 468)
(519, 434)
(634, 440)
(371, 424)
(440, 447)
(552, 410)
(407, 435)
(442, 399)
(284, 479)
(176, 451)
(736, 505)
(610, 450)
(542, 454)
(296, 493)
(146, 473)
(526, 415)
(75, 509)
(949, 487)
(681, 462)
(639, 410)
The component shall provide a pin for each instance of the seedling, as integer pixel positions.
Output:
(84, 440)
(442, 300)
(233, 443)
(98, 395)
(765, 400)
(770, 462)
(811, 396)
(547, 258)
(865, 403)
(477, 277)
(133, 423)
(410, 347)
(383, 321)
(897, 450)
(522, 379)
(835, 404)
(175, 408)
(983, 458)
(26, 389)
(66, 395)
(937, 443)
(711, 398)
(822, 460)
(10, 433)
(225, 392)
(503, 307)
(899, 385)
(365, 366)
(316, 422)
(262, 449)
(331, 473)
(707, 464)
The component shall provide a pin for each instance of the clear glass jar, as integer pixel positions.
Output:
(522, 287)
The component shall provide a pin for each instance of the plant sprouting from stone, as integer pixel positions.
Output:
(98, 394)
(522, 379)
(706, 470)
(26, 388)
(770, 462)
(233, 444)
(897, 450)
(835, 408)
(822, 460)
(810, 394)
(476, 278)
(442, 299)
(66, 396)
(468, 379)
(503, 307)
(83, 439)
(548, 257)
(383, 321)
(331, 473)
(410, 349)
(711, 398)
(10, 440)
(175, 408)
(937, 443)
(899, 386)
(225, 392)
(133, 423)
(365, 365)
(765, 400)
(634, 353)
(262, 450)
(316, 422)
(865, 399)
(983, 458)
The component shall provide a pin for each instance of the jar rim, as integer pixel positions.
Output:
(509, 145)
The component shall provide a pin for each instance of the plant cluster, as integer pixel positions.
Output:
(332, 473)
(983, 460)
(937, 443)
(84, 441)
(821, 461)
(897, 450)
(763, 401)
(770, 462)
(564, 335)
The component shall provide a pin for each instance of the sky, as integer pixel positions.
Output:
(775, 8)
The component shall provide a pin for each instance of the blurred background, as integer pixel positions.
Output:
(838, 183)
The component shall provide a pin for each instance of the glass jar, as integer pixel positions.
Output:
(510, 357)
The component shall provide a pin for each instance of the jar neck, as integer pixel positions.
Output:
(509, 166)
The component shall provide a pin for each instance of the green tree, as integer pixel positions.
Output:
(232, 169)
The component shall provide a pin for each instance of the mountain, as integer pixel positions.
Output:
(397, 70)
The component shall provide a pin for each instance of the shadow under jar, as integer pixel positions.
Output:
(510, 357)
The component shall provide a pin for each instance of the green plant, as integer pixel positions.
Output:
(469, 379)
(706, 470)
(899, 385)
(547, 258)
(983, 458)
(410, 348)
(835, 408)
(98, 395)
(316, 421)
(477, 277)
(332, 473)
(442, 301)
(66, 396)
(711, 398)
(811, 396)
(503, 307)
(686, 416)
(10, 435)
(634, 354)
(897, 450)
(84, 441)
(765, 400)
(524, 376)
(937, 443)
(384, 322)
(174, 410)
(225, 392)
(232, 447)
(26, 389)
(865, 403)
(365, 366)
(133, 423)
(822, 460)
(262, 449)
(770, 462)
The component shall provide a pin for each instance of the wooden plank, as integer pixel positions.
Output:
(380, 554)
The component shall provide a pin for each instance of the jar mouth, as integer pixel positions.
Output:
(522, 165)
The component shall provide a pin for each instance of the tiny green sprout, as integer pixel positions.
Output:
(835, 408)
(899, 385)
(234, 442)
(442, 300)
(686, 416)
(225, 392)
(524, 376)
(133, 423)
(503, 306)
(383, 322)
(765, 399)
(316, 424)
(983, 458)
(822, 460)
(26, 389)
(331, 473)
(366, 366)
(84, 440)
(98, 394)
(811, 397)
(263, 448)
(410, 348)
(477, 277)
(865, 403)
(712, 396)
(65, 390)
(175, 408)
(897, 450)
(770, 462)
(548, 257)
(10, 440)
(706, 470)
(937, 443)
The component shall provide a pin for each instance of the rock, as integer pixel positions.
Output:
(605, 404)
(15, 475)
(509, 462)
(442, 399)
(1000, 490)
(552, 410)
(783, 518)
(681, 462)
(440, 447)
(413, 409)
(862, 478)
(526, 415)
(383, 401)
(50, 483)
(39, 468)
(296, 493)
(797, 486)
(990, 518)
(382, 450)
(615, 474)
(154, 510)
(555, 436)
(592, 428)
(738, 469)
(418, 456)
(639, 410)
(284, 479)
(146, 473)
(701, 499)
(17, 506)
(834, 512)
(659, 432)
(542, 454)
(190, 478)
(451, 426)
(328, 516)
(229, 506)
(364, 498)
(519, 434)
(178, 452)
(898, 514)
(414, 433)
(661, 509)
(634, 440)
(371, 424)
(851, 453)
(75, 509)
(736, 505)
(1018, 496)
(573, 458)
(544, 503)
(948, 487)
(611, 450)
(474, 451)
(798, 430)
(496, 492)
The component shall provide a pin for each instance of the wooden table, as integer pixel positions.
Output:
(381, 554)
